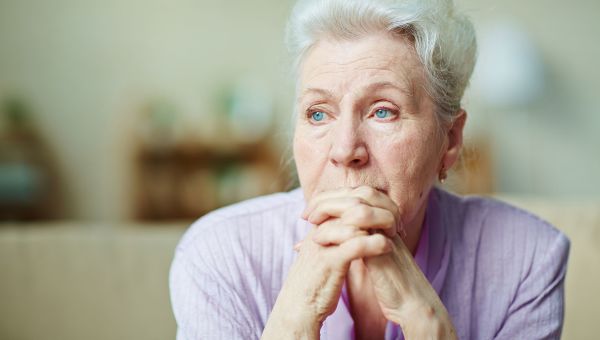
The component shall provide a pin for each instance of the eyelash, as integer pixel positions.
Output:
(310, 112)
(394, 113)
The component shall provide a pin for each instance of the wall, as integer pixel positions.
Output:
(549, 147)
(88, 66)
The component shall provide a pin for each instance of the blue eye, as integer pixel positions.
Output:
(383, 113)
(318, 116)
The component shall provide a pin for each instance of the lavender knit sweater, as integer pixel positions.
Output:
(498, 270)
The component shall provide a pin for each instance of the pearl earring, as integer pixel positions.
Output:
(442, 175)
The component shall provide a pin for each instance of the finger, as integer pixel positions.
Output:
(375, 198)
(368, 195)
(367, 217)
(341, 192)
(353, 211)
(364, 246)
(332, 207)
(336, 234)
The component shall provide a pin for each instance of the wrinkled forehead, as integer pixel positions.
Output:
(337, 65)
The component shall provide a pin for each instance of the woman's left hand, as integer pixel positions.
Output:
(404, 294)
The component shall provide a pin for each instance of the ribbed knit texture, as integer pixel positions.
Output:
(498, 270)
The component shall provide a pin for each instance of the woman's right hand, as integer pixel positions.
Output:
(312, 288)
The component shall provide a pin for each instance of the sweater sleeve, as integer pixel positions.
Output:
(205, 306)
(537, 310)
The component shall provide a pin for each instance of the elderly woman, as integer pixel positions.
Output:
(368, 248)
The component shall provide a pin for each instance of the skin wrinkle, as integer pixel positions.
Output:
(351, 147)
(338, 82)
(409, 55)
(385, 68)
(399, 156)
(373, 87)
(386, 159)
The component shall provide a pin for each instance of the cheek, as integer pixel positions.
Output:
(402, 156)
(309, 155)
(408, 162)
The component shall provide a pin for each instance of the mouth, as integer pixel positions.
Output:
(381, 190)
(384, 191)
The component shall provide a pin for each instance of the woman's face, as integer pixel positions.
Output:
(364, 119)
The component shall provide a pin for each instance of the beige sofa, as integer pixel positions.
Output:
(94, 281)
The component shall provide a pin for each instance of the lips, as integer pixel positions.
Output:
(382, 190)
(378, 188)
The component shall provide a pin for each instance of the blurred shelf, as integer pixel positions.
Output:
(188, 181)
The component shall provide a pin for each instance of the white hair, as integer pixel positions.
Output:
(444, 40)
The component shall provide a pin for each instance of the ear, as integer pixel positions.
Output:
(455, 140)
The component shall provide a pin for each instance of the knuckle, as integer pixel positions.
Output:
(318, 235)
(354, 232)
(390, 219)
(363, 213)
(349, 233)
(354, 202)
(328, 236)
(379, 241)
(366, 191)
(317, 208)
(361, 246)
(356, 246)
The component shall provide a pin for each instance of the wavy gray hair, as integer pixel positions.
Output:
(444, 40)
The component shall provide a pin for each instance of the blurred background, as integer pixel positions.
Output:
(123, 121)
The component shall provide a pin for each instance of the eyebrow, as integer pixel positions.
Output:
(322, 92)
(372, 87)
(384, 84)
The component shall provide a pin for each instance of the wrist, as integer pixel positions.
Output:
(425, 321)
(287, 323)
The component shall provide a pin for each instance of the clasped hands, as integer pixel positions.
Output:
(356, 224)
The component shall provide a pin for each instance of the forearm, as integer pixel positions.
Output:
(411, 301)
(428, 322)
(285, 324)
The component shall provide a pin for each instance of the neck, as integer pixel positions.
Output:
(413, 230)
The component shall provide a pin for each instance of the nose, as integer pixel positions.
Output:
(348, 147)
